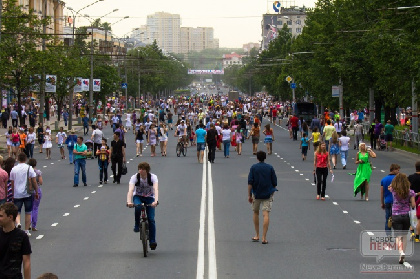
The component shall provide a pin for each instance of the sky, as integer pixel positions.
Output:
(235, 22)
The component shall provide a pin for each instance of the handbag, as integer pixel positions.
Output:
(390, 222)
(124, 169)
(29, 188)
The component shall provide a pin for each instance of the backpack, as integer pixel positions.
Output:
(149, 179)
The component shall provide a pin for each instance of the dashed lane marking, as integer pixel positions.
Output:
(86, 198)
(93, 192)
(357, 222)
(52, 163)
(77, 205)
(66, 214)
(307, 179)
(39, 236)
(54, 225)
(335, 203)
(345, 212)
(100, 186)
(45, 166)
(382, 171)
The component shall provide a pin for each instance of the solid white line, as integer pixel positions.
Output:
(201, 232)
(210, 227)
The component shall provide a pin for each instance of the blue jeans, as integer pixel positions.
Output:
(70, 155)
(226, 145)
(327, 143)
(150, 215)
(79, 163)
(30, 150)
(388, 213)
(103, 170)
(28, 202)
(344, 154)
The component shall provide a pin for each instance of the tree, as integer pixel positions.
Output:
(19, 53)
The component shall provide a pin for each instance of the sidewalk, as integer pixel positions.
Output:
(51, 123)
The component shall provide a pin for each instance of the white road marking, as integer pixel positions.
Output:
(39, 236)
(128, 162)
(111, 175)
(327, 196)
(296, 170)
(370, 233)
(345, 212)
(281, 158)
(357, 222)
(45, 166)
(275, 153)
(66, 214)
(292, 167)
(335, 203)
(211, 242)
(59, 160)
(382, 171)
(52, 163)
(54, 225)
(202, 228)
(313, 184)
(307, 179)
(100, 186)
(77, 205)
(93, 192)
(86, 198)
(302, 174)
(131, 159)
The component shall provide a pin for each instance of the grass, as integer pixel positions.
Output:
(413, 149)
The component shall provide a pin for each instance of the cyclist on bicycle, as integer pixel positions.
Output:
(143, 188)
(182, 132)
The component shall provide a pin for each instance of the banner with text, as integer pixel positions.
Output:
(206, 72)
(96, 85)
(85, 84)
(50, 83)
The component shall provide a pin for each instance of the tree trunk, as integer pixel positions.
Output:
(47, 108)
(378, 106)
(59, 108)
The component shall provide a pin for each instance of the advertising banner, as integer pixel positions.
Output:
(78, 86)
(85, 84)
(50, 83)
(206, 72)
(96, 85)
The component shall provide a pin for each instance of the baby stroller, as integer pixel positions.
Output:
(382, 142)
(89, 145)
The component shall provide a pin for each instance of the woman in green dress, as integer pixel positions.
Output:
(364, 170)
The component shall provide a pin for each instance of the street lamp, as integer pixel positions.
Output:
(106, 29)
(91, 107)
(75, 13)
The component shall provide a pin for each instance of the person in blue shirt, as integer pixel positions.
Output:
(386, 195)
(361, 116)
(85, 120)
(262, 183)
(65, 117)
(200, 137)
(304, 143)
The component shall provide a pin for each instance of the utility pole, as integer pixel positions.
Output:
(91, 106)
(340, 99)
(42, 85)
(371, 105)
(414, 114)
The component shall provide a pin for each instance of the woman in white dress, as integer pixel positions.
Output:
(9, 141)
(47, 142)
(152, 139)
(128, 121)
(163, 138)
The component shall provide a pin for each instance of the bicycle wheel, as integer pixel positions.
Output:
(178, 150)
(184, 151)
(143, 237)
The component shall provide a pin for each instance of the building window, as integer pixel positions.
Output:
(298, 30)
(298, 22)
(290, 30)
(289, 22)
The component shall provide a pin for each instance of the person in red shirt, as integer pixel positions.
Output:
(294, 121)
(274, 115)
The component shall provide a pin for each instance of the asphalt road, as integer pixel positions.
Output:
(204, 223)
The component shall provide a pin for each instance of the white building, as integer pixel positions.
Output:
(197, 39)
(232, 59)
(165, 28)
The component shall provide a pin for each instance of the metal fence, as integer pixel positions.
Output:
(407, 138)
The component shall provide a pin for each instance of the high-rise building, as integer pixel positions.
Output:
(293, 17)
(197, 39)
(165, 28)
(140, 34)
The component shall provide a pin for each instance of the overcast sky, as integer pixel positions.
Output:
(235, 22)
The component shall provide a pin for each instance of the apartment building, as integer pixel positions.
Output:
(197, 39)
(165, 28)
(232, 59)
(54, 9)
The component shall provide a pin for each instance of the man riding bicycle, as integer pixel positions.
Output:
(143, 188)
(182, 133)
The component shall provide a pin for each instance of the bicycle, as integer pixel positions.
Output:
(144, 227)
(181, 148)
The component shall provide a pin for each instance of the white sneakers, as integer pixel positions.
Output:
(28, 233)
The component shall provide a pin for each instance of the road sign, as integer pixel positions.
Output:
(289, 79)
(335, 91)
(123, 85)
(293, 85)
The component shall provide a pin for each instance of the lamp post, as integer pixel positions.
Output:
(75, 13)
(92, 110)
(106, 30)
